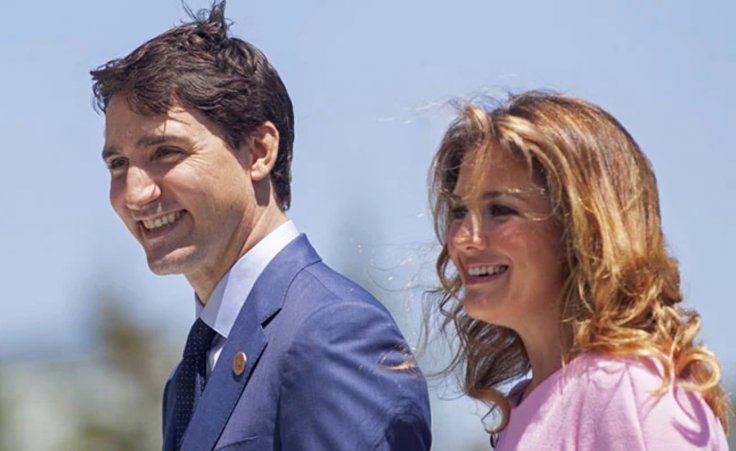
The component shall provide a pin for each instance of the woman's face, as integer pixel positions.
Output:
(505, 243)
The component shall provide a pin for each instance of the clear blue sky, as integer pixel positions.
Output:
(368, 82)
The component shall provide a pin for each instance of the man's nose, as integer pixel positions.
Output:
(141, 189)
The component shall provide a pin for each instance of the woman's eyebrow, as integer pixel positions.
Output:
(513, 192)
(490, 195)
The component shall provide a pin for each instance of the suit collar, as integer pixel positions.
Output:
(224, 386)
(233, 289)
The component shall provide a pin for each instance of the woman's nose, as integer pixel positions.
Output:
(470, 234)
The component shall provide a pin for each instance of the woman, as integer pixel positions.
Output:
(549, 213)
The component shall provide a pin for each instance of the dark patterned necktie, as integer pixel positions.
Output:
(193, 368)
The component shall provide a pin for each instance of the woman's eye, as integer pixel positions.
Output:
(501, 210)
(457, 213)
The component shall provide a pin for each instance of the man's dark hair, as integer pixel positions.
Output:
(198, 65)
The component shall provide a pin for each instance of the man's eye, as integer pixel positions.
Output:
(117, 163)
(501, 210)
(164, 152)
(457, 213)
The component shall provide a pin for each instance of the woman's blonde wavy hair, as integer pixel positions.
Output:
(622, 290)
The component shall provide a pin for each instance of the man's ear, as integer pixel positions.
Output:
(263, 144)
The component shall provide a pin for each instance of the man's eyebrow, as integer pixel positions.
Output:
(107, 152)
(145, 141)
(148, 141)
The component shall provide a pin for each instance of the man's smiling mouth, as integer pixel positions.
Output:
(162, 221)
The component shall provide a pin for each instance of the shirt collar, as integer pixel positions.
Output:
(231, 291)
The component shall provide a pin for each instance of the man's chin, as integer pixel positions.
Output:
(176, 262)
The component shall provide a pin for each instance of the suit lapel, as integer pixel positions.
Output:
(224, 386)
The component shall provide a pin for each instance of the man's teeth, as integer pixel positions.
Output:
(486, 270)
(162, 221)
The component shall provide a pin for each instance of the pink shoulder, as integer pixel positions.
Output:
(626, 392)
(597, 371)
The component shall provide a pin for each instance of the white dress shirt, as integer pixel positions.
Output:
(229, 295)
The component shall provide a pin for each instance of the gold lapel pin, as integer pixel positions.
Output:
(239, 363)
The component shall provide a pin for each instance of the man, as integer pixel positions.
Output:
(285, 353)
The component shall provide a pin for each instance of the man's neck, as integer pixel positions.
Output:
(205, 281)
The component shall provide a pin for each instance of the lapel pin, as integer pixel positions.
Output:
(239, 363)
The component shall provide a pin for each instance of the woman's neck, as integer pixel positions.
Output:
(545, 352)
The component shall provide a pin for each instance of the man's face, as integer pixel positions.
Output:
(181, 191)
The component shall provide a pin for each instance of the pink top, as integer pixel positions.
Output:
(604, 403)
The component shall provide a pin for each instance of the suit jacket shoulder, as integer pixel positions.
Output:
(322, 369)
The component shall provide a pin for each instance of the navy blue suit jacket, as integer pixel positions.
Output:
(318, 375)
